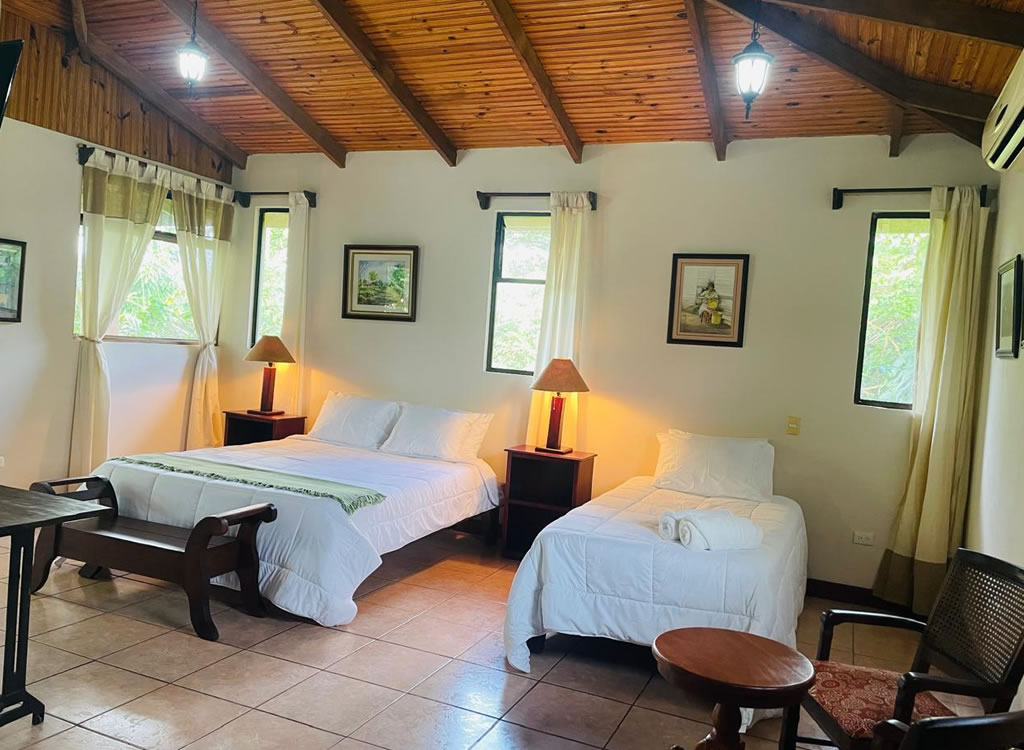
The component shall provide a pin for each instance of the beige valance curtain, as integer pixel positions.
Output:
(204, 217)
(930, 523)
(121, 203)
(562, 320)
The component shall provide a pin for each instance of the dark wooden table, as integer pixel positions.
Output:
(733, 669)
(21, 513)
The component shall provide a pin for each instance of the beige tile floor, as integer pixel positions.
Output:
(422, 666)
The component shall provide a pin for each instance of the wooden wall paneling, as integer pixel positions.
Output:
(88, 102)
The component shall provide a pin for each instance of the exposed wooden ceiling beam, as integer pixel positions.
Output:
(259, 80)
(962, 19)
(897, 115)
(81, 30)
(969, 130)
(890, 83)
(150, 91)
(347, 26)
(510, 26)
(695, 19)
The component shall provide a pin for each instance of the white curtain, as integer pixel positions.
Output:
(121, 203)
(293, 325)
(562, 320)
(203, 218)
(930, 523)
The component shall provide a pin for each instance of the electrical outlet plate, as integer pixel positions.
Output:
(866, 538)
(792, 425)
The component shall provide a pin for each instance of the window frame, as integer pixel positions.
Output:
(169, 238)
(254, 319)
(497, 278)
(866, 305)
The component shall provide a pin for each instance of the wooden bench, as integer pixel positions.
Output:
(189, 557)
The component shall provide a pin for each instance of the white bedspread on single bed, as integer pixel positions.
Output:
(602, 570)
(314, 555)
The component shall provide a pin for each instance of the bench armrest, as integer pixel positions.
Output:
(833, 617)
(96, 488)
(889, 735)
(219, 523)
(912, 683)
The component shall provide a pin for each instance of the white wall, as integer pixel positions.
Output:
(770, 198)
(40, 187)
(996, 509)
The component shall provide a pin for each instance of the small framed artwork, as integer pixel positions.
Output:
(380, 282)
(1008, 301)
(708, 303)
(12, 280)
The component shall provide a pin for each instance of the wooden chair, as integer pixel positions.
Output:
(975, 635)
(189, 557)
(992, 732)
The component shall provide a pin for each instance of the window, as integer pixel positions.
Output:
(517, 293)
(157, 307)
(271, 269)
(892, 310)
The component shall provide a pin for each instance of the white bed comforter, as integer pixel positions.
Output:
(314, 555)
(602, 570)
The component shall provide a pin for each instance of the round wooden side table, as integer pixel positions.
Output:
(733, 669)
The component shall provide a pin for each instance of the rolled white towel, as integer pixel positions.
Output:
(668, 524)
(716, 530)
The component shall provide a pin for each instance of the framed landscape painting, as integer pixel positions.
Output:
(708, 302)
(380, 282)
(12, 279)
(1008, 312)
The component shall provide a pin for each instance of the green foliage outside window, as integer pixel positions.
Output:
(273, 269)
(157, 306)
(900, 246)
(519, 292)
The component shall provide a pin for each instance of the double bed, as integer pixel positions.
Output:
(603, 570)
(315, 555)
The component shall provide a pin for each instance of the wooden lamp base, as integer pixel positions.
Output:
(554, 444)
(267, 397)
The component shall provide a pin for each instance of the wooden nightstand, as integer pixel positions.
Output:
(539, 488)
(241, 427)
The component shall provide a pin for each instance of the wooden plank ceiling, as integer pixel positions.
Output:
(625, 72)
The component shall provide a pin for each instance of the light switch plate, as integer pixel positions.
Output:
(792, 425)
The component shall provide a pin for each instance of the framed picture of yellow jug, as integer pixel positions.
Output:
(708, 303)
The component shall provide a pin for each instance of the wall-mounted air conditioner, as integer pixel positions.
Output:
(1003, 141)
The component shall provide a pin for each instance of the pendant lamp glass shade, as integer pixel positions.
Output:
(751, 72)
(192, 62)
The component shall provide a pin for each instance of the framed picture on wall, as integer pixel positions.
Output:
(708, 302)
(380, 282)
(1008, 300)
(12, 280)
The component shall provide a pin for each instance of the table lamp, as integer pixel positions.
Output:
(269, 349)
(560, 376)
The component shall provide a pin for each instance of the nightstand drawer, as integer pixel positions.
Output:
(541, 487)
(242, 428)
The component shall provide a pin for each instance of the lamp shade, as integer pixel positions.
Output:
(192, 62)
(269, 349)
(561, 376)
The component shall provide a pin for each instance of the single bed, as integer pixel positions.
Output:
(602, 570)
(315, 555)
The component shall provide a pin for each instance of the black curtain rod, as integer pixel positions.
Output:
(839, 193)
(485, 198)
(244, 199)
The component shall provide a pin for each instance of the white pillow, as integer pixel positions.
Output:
(355, 420)
(715, 466)
(426, 432)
